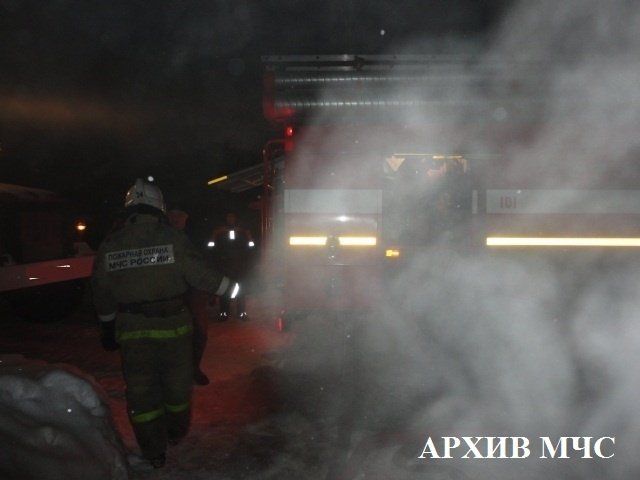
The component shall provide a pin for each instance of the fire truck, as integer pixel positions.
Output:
(381, 157)
(43, 260)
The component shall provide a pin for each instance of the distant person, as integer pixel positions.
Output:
(198, 302)
(141, 274)
(232, 246)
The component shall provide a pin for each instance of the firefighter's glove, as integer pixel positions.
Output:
(108, 336)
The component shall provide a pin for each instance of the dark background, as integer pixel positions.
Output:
(94, 94)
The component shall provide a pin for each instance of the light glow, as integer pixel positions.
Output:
(217, 180)
(563, 242)
(346, 241)
(306, 241)
(392, 253)
(358, 241)
(236, 289)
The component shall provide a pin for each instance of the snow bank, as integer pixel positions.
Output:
(55, 424)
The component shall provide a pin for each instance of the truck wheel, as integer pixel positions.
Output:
(47, 303)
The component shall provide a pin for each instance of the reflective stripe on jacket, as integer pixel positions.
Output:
(146, 417)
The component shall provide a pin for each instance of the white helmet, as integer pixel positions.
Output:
(143, 193)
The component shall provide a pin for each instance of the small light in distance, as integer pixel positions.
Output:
(217, 180)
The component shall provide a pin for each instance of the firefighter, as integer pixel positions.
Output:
(141, 274)
(232, 245)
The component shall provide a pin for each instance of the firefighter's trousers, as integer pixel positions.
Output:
(159, 378)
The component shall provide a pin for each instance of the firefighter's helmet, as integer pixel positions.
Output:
(144, 193)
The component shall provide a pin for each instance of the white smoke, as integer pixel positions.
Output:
(527, 343)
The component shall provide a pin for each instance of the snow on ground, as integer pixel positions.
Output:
(55, 423)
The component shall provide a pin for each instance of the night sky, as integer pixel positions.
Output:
(94, 93)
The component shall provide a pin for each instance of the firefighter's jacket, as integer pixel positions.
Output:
(141, 273)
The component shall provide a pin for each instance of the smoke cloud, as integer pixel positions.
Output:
(521, 342)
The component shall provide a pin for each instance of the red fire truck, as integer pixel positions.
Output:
(382, 157)
(360, 182)
(42, 259)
